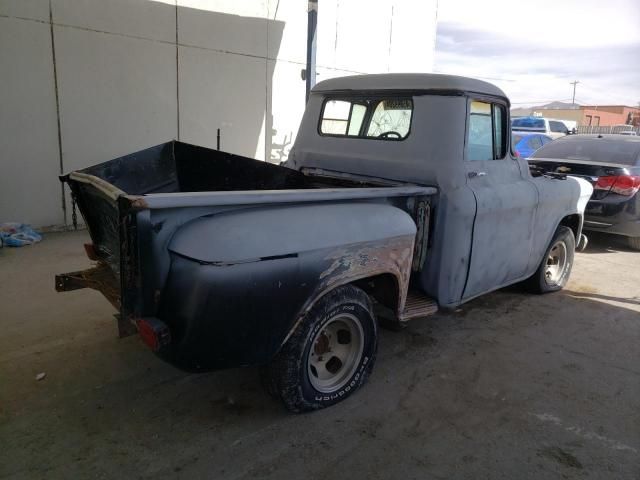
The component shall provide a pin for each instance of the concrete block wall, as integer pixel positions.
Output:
(84, 81)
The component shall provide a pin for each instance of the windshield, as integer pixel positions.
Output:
(592, 149)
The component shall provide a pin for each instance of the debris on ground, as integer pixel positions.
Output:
(18, 234)
(40, 376)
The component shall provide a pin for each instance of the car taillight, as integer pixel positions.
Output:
(622, 184)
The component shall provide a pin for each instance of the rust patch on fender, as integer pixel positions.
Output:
(363, 260)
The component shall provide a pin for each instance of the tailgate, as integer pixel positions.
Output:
(97, 201)
(112, 232)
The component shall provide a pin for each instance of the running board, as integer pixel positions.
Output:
(418, 305)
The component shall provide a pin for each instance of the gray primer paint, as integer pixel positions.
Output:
(233, 237)
(489, 230)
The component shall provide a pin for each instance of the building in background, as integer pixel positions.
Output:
(87, 81)
(584, 115)
(610, 115)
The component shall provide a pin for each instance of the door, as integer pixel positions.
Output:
(506, 201)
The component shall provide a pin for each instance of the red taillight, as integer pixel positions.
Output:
(153, 332)
(622, 184)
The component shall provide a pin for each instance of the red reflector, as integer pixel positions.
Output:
(153, 332)
(90, 249)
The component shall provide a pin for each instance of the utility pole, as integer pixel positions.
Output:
(574, 83)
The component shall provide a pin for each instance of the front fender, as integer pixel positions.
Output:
(557, 200)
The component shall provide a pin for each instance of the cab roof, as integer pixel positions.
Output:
(408, 81)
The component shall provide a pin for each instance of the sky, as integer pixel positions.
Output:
(532, 50)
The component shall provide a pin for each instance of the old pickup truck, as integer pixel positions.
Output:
(400, 194)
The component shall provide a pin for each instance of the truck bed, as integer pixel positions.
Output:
(131, 206)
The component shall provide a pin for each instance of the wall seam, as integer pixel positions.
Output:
(58, 123)
(13, 17)
(173, 42)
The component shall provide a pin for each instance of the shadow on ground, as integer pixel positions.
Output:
(604, 243)
(510, 385)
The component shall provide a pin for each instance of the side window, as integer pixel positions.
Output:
(487, 131)
(535, 143)
(557, 126)
(340, 117)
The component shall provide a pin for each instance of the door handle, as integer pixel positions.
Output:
(476, 174)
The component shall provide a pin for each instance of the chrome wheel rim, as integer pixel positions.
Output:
(556, 263)
(336, 351)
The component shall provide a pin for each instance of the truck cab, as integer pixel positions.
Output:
(491, 218)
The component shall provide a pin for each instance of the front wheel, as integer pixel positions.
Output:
(555, 268)
(329, 356)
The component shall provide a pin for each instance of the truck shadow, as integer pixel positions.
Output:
(605, 243)
(190, 423)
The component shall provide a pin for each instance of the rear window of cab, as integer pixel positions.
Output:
(375, 118)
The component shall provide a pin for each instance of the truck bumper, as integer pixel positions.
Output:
(100, 278)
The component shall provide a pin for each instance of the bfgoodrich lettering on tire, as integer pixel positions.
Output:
(329, 356)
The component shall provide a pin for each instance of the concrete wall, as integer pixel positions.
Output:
(83, 81)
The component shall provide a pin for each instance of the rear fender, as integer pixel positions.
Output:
(280, 261)
(357, 262)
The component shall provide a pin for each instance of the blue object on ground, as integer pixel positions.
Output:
(18, 234)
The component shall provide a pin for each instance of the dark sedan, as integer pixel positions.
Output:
(612, 164)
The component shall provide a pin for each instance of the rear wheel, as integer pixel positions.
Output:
(555, 268)
(329, 356)
(634, 242)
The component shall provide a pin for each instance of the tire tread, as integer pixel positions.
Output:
(281, 376)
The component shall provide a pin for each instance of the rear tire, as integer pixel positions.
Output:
(555, 268)
(330, 354)
(634, 242)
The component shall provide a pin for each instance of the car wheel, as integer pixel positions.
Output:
(555, 268)
(330, 354)
(634, 242)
